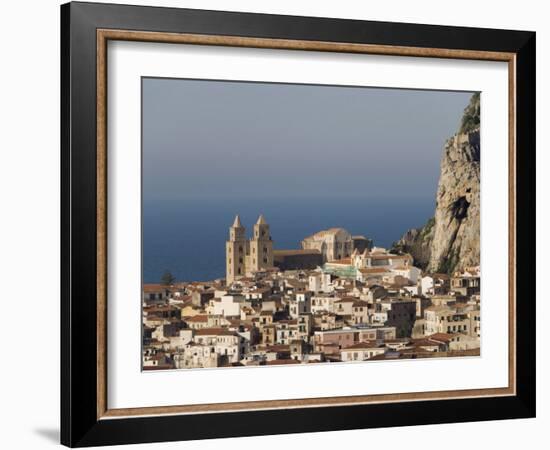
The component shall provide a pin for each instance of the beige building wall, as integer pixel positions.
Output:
(333, 244)
(449, 321)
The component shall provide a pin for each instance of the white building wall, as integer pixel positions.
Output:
(427, 285)
(229, 305)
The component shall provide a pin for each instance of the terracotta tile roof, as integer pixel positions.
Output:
(397, 341)
(346, 300)
(160, 308)
(360, 303)
(425, 343)
(198, 318)
(362, 345)
(442, 337)
(441, 276)
(343, 261)
(280, 362)
(275, 348)
(328, 344)
(154, 287)
(158, 367)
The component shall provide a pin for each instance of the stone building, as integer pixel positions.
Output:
(245, 256)
(452, 319)
(466, 282)
(196, 356)
(381, 259)
(398, 313)
(361, 351)
(333, 244)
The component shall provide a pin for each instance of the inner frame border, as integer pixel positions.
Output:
(104, 35)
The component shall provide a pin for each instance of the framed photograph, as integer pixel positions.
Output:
(276, 224)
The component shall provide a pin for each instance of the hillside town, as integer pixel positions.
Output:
(338, 298)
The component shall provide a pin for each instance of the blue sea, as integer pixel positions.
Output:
(188, 237)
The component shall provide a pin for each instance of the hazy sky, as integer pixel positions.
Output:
(218, 138)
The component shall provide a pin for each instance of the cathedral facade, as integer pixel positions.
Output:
(333, 244)
(245, 256)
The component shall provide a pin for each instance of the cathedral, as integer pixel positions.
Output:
(244, 256)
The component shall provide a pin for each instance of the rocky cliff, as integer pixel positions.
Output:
(450, 240)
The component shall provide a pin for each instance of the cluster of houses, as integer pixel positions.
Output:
(369, 304)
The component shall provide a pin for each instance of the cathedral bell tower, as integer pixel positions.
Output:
(261, 246)
(235, 251)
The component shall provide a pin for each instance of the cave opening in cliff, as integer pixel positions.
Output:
(459, 208)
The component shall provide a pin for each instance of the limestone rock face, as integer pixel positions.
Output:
(418, 243)
(455, 243)
(450, 240)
